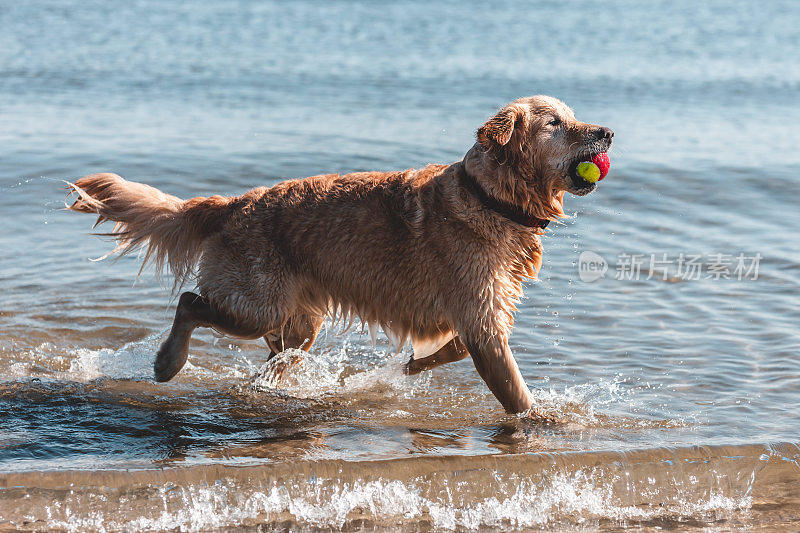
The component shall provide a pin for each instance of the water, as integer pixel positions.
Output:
(672, 401)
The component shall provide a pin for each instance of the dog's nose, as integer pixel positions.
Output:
(604, 133)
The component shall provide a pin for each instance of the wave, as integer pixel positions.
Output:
(519, 492)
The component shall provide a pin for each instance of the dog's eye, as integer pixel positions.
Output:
(554, 122)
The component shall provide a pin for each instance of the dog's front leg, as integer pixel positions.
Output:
(498, 368)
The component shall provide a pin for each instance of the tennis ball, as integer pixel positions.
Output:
(589, 171)
(596, 169)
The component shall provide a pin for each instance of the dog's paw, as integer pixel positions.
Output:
(279, 366)
(412, 368)
(170, 358)
(541, 416)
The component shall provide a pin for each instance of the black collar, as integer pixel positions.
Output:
(510, 211)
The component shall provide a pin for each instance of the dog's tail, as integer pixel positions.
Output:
(170, 230)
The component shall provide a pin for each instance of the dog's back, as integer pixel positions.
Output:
(394, 249)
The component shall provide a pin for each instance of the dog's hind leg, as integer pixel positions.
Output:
(300, 332)
(449, 353)
(195, 311)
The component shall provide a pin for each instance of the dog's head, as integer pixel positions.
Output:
(534, 144)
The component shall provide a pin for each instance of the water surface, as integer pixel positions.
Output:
(638, 374)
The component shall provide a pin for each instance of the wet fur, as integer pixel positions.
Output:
(411, 251)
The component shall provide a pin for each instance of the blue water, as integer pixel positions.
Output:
(218, 97)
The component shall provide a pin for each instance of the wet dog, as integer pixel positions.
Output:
(436, 255)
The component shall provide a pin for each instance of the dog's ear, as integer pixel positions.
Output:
(500, 128)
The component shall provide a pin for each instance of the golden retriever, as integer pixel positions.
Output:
(436, 255)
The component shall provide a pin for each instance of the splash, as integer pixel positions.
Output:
(133, 361)
(605, 403)
(298, 374)
(565, 500)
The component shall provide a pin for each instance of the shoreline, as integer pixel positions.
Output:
(738, 483)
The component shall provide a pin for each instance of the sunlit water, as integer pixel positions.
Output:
(669, 393)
